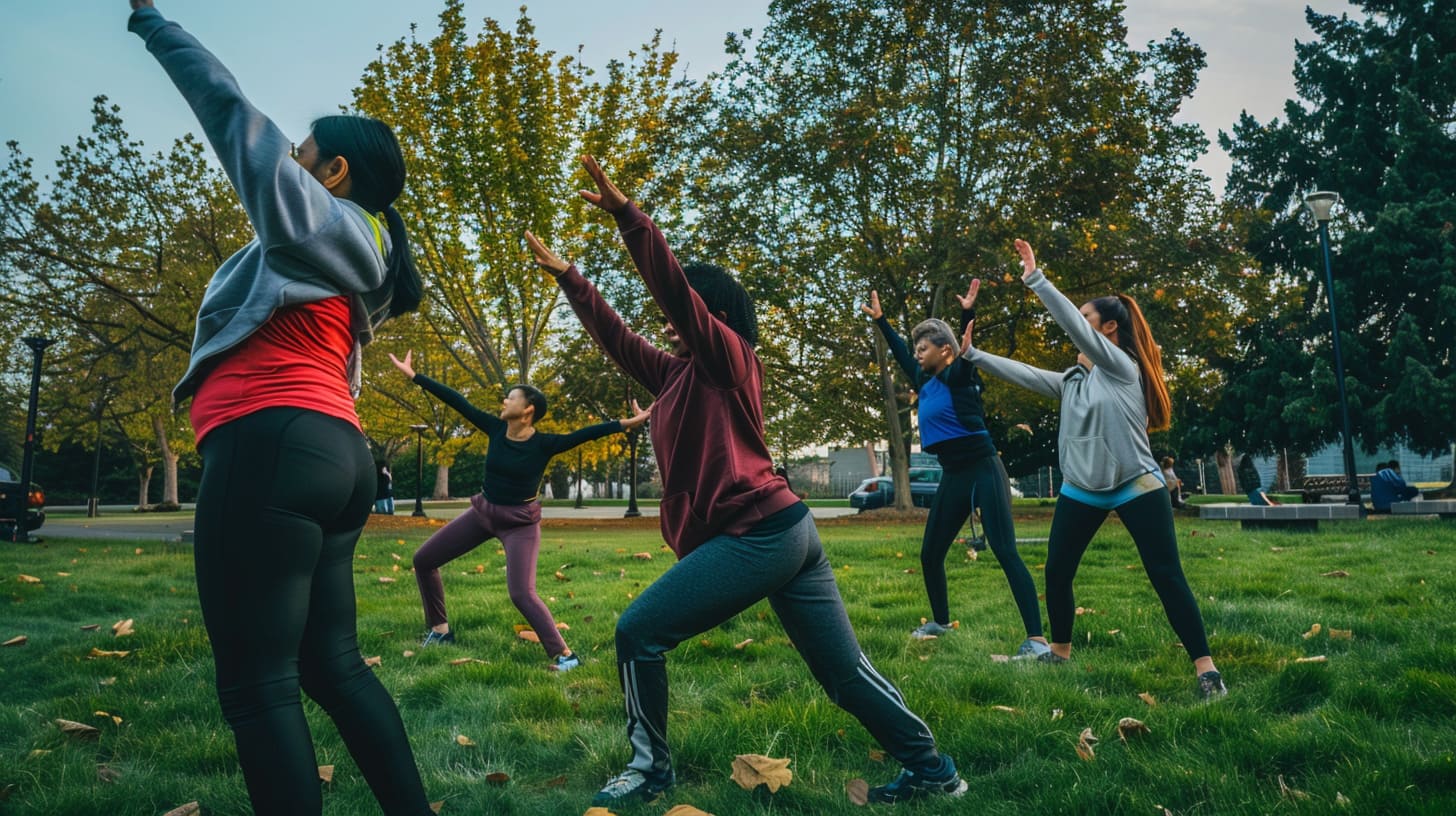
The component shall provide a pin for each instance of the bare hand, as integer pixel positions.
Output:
(1028, 259)
(638, 417)
(966, 337)
(141, 4)
(969, 301)
(873, 307)
(404, 365)
(607, 196)
(544, 257)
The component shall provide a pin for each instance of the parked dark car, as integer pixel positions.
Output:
(10, 492)
(879, 491)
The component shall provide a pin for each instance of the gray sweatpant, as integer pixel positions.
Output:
(725, 576)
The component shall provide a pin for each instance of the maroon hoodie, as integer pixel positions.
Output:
(707, 422)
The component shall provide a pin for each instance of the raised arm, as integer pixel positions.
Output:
(968, 310)
(726, 357)
(642, 361)
(898, 349)
(1101, 351)
(484, 420)
(1046, 383)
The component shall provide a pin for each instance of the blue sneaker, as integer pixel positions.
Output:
(1031, 650)
(930, 630)
(433, 638)
(629, 785)
(943, 781)
(565, 662)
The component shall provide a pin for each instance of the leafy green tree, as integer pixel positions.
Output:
(902, 146)
(1376, 121)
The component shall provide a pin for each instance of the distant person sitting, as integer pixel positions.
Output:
(1388, 486)
(1175, 484)
(1252, 483)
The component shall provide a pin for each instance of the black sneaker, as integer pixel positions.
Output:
(631, 785)
(943, 781)
(1210, 686)
(433, 638)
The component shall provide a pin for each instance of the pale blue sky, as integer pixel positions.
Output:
(299, 59)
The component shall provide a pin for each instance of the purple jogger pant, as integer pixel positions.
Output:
(518, 526)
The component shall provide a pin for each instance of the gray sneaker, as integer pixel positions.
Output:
(1031, 650)
(630, 785)
(929, 631)
(1210, 686)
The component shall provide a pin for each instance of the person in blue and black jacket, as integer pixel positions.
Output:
(953, 427)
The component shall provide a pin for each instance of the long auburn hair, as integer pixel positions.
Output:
(1135, 337)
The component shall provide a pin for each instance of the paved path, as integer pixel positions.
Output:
(118, 522)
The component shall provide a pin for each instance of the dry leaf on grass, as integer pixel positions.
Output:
(876, 755)
(409, 652)
(28, 579)
(1313, 630)
(18, 640)
(107, 715)
(106, 681)
(326, 773)
(1342, 634)
(95, 653)
(497, 778)
(1288, 792)
(642, 556)
(561, 576)
(598, 811)
(742, 643)
(72, 728)
(1335, 574)
(1129, 727)
(1007, 709)
(1315, 659)
(189, 809)
(529, 636)
(686, 810)
(90, 627)
(436, 806)
(1148, 698)
(464, 741)
(858, 791)
(461, 661)
(752, 770)
(373, 661)
(385, 579)
(1084, 745)
(123, 627)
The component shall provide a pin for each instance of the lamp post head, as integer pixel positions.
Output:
(418, 428)
(37, 343)
(1320, 203)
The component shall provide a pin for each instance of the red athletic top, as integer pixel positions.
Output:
(298, 359)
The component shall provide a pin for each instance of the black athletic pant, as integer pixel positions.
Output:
(725, 576)
(1149, 519)
(982, 484)
(284, 494)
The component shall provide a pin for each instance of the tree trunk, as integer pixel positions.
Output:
(144, 484)
(442, 482)
(899, 449)
(1227, 483)
(169, 461)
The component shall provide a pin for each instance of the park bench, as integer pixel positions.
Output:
(1445, 508)
(1317, 488)
(1292, 517)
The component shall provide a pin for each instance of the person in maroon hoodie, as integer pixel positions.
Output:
(739, 533)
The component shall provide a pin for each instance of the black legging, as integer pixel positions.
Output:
(1149, 519)
(284, 494)
(982, 484)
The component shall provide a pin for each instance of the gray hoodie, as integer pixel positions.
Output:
(1103, 440)
(309, 246)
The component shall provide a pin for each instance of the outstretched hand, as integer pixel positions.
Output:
(638, 417)
(969, 301)
(873, 307)
(966, 337)
(404, 365)
(545, 258)
(1028, 259)
(607, 196)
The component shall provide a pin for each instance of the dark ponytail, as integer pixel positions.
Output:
(377, 175)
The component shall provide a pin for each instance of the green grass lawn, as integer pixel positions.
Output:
(1370, 729)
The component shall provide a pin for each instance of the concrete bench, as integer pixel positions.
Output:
(1295, 517)
(1445, 508)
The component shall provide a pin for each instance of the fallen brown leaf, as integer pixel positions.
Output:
(752, 770)
(326, 773)
(497, 778)
(742, 643)
(1313, 630)
(107, 715)
(858, 791)
(1129, 727)
(64, 574)
(563, 627)
(189, 809)
(106, 681)
(1335, 574)
(529, 636)
(1342, 634)
(1084, 745)
(1007, 709)
(409, 652)
(435, 806)
(373, 661)
(28, 579)
(464, 741)
(123, 627)
(90, 627)
(686, 810)
(598, 811)
(72, 728)
(642, 556)
(95, 653)
(1315, 659)
(876, 755)
(18, 640)
(385, 579)
(461, 661)
(1148, 698)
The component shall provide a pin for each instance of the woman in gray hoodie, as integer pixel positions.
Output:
(287, 477)
(1110, 400)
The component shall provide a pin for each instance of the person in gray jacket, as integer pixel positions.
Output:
(1109, 401)
(287, 477)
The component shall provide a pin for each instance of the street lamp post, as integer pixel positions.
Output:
(632, 511)
(419, 470)
(27, 460)
(1320, 204)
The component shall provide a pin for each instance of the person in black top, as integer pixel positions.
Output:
(383, 488)
(953, 427)
(508, 506)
